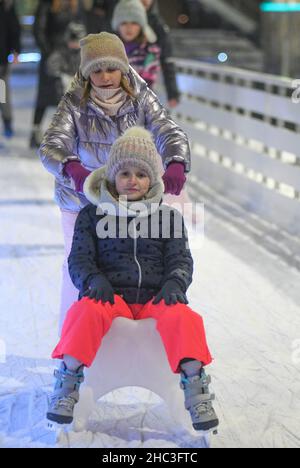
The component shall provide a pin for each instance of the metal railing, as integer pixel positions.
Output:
(244, 132)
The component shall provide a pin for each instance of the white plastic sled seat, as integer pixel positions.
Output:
(132, 354)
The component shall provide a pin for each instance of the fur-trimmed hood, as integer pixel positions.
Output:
(96, 190)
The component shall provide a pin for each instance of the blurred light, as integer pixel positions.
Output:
(27, 20)
(30, 57)
(223, 57)
(26, 58)
(280, 7)
(183, 19)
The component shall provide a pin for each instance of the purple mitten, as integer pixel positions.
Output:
(174, 178)
(78, 173)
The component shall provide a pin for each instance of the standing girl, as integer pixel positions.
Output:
(107, 98)
(131, 24)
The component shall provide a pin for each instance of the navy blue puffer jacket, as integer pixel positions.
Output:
(136, 250)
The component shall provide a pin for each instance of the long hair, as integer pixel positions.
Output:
(125, 85)
(57, 6)
(142, 38)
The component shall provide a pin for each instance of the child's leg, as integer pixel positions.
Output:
(85, 325)
(190, 367)
(182, 332)
(71, 363)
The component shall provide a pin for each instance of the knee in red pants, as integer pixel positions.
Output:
(86, 324)
(182, 332)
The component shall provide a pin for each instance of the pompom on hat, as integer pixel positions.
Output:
(102, 51)
(134, 148)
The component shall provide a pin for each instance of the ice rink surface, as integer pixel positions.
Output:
(249, 300)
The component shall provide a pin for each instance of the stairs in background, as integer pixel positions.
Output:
(207, 44)
(250, 8)
(234, 13)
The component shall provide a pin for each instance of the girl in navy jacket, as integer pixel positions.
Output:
(130, 258)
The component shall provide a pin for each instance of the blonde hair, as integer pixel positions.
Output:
(57, 6)
(125, 85)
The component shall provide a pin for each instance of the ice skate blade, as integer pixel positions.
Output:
(209, 432)
(55, 427)
(212, 431)
(52, 426)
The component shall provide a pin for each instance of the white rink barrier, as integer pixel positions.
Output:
(244, 131)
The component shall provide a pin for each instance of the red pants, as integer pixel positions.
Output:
(181, 329)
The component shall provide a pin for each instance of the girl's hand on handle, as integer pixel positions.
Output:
(174, 178)
(78, 173)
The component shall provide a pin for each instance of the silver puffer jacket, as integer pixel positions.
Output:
(86, 133)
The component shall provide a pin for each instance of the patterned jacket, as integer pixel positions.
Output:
(136, 249)
(145, 59)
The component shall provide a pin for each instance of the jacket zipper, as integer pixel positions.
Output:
(138, 264)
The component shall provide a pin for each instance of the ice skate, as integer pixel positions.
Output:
(198, 401)
(65, 396)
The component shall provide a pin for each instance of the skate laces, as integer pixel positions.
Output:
(196, 387)
(202, 408)
(201, 378)
(67, 402)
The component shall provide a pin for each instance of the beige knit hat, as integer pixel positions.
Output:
(103, 50)
(135, 148)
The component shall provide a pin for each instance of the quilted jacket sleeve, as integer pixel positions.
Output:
(59, 141)
(82, 260)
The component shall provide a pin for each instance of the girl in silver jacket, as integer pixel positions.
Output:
(106, 98)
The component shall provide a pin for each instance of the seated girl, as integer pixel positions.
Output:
(130, 258)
